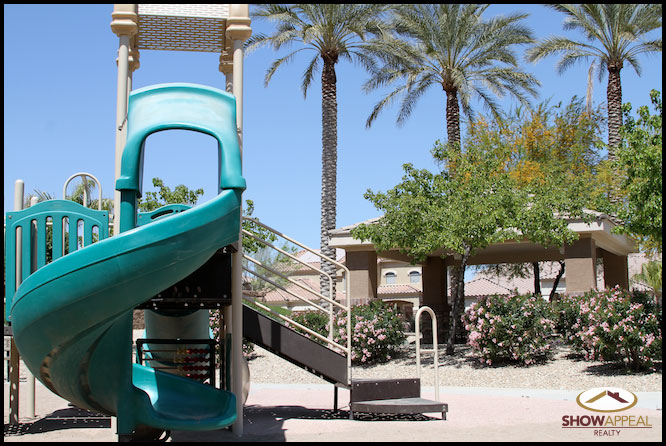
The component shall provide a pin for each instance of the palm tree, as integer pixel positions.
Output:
(452, 46)
(651, 275)
(87, 190)
(41, 196)
(333, 32)
(617, 32)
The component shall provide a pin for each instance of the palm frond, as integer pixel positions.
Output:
(308, 73)
(454, 46)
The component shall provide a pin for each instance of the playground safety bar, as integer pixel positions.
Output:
(346, 308)
(433, 350)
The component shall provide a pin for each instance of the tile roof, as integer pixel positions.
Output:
(279, 295)
(397, 289)
(312, 260)
(481, 286)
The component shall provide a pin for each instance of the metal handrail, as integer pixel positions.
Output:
(328, 276)
(284, 289)
(277, 273)
(346, 308)
(302, 327)
(417, 322)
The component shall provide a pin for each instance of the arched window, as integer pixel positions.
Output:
(390, 277)
(414, 277)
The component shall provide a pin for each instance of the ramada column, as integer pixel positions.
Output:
(580, 263)
(616, 270)
(363, 275)
(434, 296)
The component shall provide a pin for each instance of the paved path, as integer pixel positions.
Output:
(277, 412)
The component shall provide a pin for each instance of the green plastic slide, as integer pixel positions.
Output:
(72, 319)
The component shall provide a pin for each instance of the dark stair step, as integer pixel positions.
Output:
(294, 347)
(401, 406)
(392, 396)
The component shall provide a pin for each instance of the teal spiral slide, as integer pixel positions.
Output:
(72, 318)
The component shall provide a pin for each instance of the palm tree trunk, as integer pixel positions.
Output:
(329, 160)
(614, 98)
(458, 279)
(452, 116)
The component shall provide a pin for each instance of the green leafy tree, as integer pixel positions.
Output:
(250, 244)
(640, 162)
(617, 33)
(333, 32)
(554, 149)
(180, 195)
(452, 47)
(478, 206)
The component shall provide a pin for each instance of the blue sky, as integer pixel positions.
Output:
(60, 105)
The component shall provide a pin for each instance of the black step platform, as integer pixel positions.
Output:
(391, 396)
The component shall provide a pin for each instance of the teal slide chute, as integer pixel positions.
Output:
(72, 318)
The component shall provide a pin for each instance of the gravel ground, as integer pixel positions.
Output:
(463, 369)
(565, 372)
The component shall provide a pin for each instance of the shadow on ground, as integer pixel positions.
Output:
(266, 423)
(70, 418)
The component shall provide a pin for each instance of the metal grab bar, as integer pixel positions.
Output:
(83, 176)
(417, 322)
(346, 308)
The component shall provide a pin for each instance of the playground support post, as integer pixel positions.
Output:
(238, 30)
(14, 361)
(124, 25)
(30, 379)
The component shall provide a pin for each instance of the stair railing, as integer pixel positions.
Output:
(433, 350)
(346, 308)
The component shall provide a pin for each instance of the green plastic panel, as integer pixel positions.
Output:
(38, 214)
(181, 106)
(143, 218)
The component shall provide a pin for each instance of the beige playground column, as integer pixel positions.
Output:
(133, 64)
(124, 25)
(227, 68)
(238, 30)
(580, 262)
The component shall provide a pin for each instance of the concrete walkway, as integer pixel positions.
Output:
(280, 412)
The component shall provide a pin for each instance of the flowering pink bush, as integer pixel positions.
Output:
(510, 328)
(614, 325)
(377, 331)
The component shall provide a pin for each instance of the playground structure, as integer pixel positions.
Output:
(71, 317)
